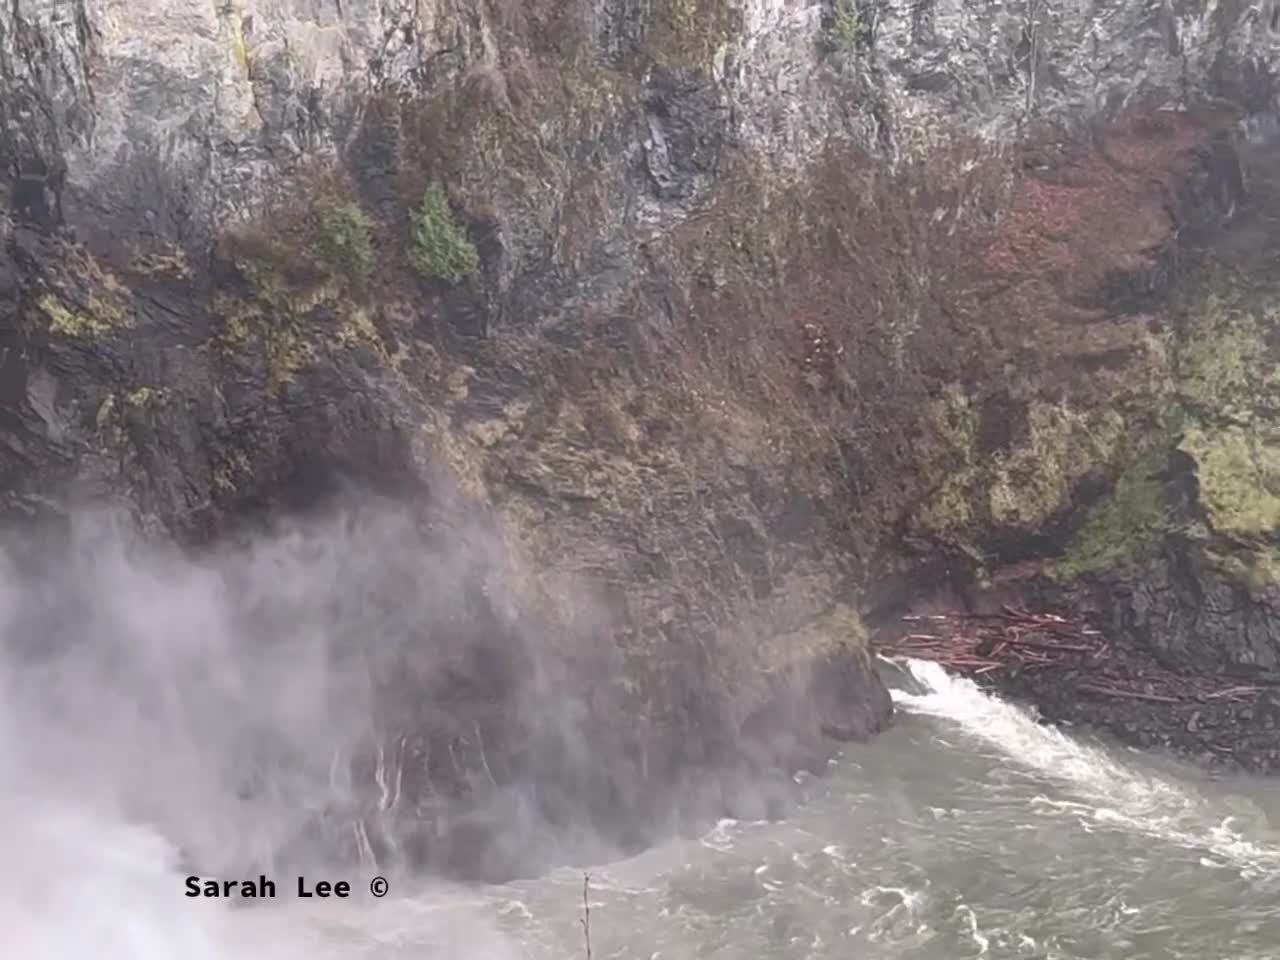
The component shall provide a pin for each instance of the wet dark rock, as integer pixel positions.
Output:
(686, 119)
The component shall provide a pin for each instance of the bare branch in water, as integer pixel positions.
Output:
(586, 912)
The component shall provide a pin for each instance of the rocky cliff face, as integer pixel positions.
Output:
(149, 122)
(776, 309)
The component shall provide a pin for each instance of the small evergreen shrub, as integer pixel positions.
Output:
(847, 29)
(438, 244)
(344, 235)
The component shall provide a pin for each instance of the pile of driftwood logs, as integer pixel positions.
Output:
(1018, 641)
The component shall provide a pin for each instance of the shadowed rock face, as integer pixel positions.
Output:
(780, 313)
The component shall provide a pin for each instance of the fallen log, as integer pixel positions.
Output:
(1230, 691)
(1064, 647)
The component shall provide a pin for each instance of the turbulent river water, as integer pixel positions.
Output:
(967, 830)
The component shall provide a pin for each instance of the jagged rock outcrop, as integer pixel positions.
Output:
(778, 306)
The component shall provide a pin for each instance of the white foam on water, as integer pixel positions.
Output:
(78, 886)
(971, 925)
(899, 912)
(720, 837)
(81, 880)
(1107, 791)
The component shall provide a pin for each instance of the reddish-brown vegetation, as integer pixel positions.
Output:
(850, 304)
(1098, 208)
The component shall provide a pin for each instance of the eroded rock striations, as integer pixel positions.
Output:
(724, 321)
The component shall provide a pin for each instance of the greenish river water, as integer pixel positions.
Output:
(967, 830)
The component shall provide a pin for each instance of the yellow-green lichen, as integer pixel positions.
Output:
(951, 507)
(1025, 486)
(282, 297)
(1031, 483)
(1238, 471)
(357, 328)
(696, 30)
(97, 318)
(273, 315)
(238, 327)
(956, 422)
(174, 263)
(1227, 381)
(683, 15)
(144, 396)
(287, 353)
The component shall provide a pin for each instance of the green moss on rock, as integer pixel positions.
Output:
(1224, 420)
(1222, 365)
(1033, 482)
(951, 507)
(1123, 529)
(1022, 487)
(1227, 378)
(1238, 470)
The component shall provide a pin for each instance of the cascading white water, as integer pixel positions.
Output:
(1107, 790)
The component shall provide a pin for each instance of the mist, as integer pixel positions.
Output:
(250, 709)
(362, 690)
